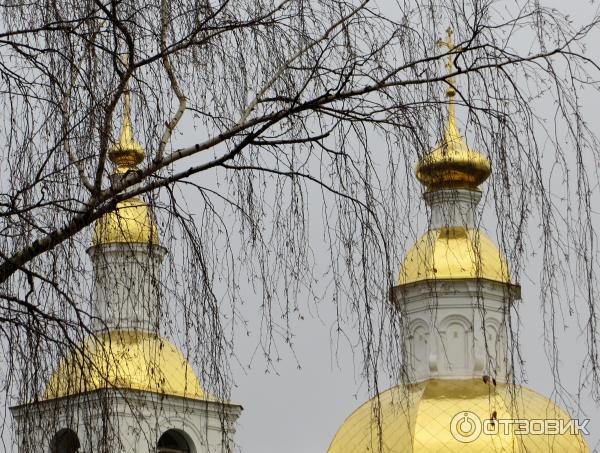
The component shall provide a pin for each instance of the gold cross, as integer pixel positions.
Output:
(452, 50)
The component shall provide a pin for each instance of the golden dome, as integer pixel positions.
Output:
(452, 165)
(451, 253)
(417, 418)
(131, 222)
(125, 360)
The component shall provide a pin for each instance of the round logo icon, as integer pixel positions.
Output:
(465, 427)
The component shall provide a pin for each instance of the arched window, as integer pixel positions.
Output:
(457, 344)
(173, 441)
(65, 441)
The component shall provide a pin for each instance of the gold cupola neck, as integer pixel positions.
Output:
(452, 164)
(127, 153)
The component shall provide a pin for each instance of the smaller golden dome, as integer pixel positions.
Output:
(418, 418)
(452, 165)
(125, 360)
(131, 222)
(452, 253)
(127, 153)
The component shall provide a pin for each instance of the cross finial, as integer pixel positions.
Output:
(449, 43)
(452, 49)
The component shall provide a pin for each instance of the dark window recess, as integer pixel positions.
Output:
(173, 442)
(65, 441)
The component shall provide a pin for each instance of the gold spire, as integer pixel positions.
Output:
(452, 165)
(127, 153)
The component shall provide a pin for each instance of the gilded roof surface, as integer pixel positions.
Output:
(452, 164)
(417, 418)
(131, 222)
(125, 360)
(452, 253)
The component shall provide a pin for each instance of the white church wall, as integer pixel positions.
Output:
(126, 422)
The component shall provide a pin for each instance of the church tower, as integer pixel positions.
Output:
(454, 291)
(126, 388)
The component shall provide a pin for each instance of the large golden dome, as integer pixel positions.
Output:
(131, 222)
(452, 253)
(418, 418)
(125, 360)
